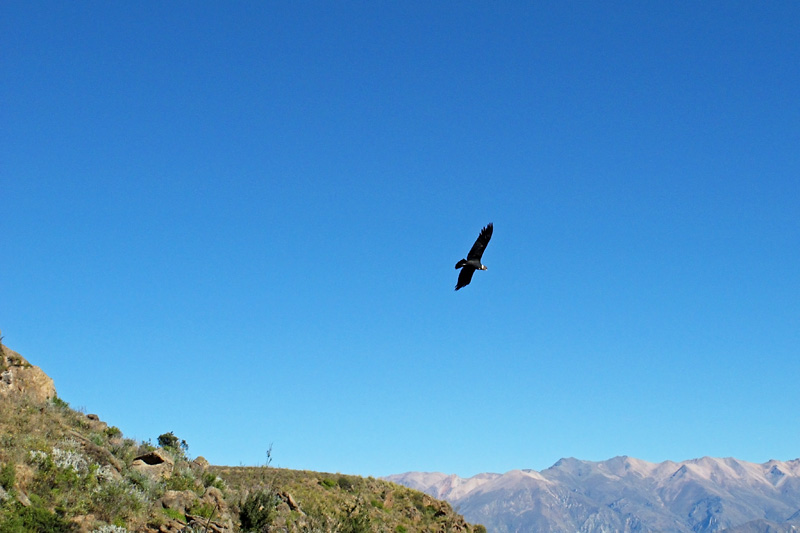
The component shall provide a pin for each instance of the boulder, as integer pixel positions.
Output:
(199, 465)
(178, 500)
(19, 377)
(289, 501)
(214, 497)
(156, 465)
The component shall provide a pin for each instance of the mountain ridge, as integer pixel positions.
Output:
(623, 493)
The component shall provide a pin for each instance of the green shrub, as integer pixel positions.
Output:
(117, 501)
(151, 489)
(8, 476)
(35, 519)
(356, 522)
(211, 480)
(170, 442)
(376, 503)
(206, 510)
(345, 483)
(258, 511)
(181, 480)
(58, 402)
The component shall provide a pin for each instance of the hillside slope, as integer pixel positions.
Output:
(627, 494)
(65, 471)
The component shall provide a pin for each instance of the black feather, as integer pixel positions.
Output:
(472, 263)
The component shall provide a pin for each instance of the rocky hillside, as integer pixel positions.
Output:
(66, 471)
(627, 494)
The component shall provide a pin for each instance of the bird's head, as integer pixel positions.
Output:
(483, 267)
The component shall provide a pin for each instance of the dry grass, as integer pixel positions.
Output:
(75, 474)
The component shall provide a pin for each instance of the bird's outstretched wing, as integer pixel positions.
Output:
(464, 277)
(480, 244)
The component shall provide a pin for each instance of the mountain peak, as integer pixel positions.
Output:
(627, 494)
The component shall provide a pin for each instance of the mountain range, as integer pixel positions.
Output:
(627, 495)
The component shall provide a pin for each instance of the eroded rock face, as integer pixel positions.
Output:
(18, 376)
(156, 465)
(179, 500)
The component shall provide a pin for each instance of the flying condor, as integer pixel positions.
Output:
(472, 263)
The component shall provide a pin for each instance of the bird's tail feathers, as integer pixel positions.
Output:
(461, 263)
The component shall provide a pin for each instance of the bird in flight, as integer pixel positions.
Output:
(472, 263)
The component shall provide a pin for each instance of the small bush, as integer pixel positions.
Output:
(357, 521)
(118, 500)
(258, 511)
(211, 480)
(58, 402)
(38, 519)
(206, 510)
(181, 480)
(345, 483)
(170, 442)
(8, 476)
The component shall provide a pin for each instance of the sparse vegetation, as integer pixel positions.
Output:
(7, 476)
(64, 471)
(34, 519)
(258, 511)
(170, 442)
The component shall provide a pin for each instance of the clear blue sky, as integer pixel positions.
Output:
(238, 222)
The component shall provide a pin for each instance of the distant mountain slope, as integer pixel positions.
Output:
(626, 494)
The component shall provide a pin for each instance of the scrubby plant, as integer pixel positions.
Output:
(59, 403)
(172, 443)
(182, 479)
(125, 450)
(34, 519)
(356, 521)
(205, 510)
(7, 476)
(118, 501)
(258, 511)
(151, 489)
(212, 480)
(344, 483)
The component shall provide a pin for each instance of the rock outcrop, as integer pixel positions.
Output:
(156, 465)
(19, 377)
